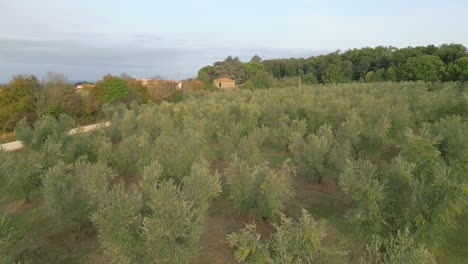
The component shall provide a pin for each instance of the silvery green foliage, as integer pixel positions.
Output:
(398, 249)
(416, 192)
(21, 174)
(281, 135)
(176, 151)
(323, 126)
(64, 199)
(318, 155)
(350, 130)
(293, 242)
(8, 237)
(6, 163)
(73, 192)
(162, 221)
(201, 185)
(260, 189)
(119, 221)
(452, 133)
(43, 129)
(245, 146)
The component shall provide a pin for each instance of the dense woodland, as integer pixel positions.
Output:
(389, 161)
(448, 62)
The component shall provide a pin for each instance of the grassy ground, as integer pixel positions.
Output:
(43, 241)
(455, 250)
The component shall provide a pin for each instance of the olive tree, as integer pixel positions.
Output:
(245, 145)
(318, 155)
(282, 134)
(119, 224)
(293, 242)
(73, 192)
(8, 236)
(416, 191)
(400, 248)
(260, 189)
(21, 174)
(176, 152)
(47, 127)
(161, 221)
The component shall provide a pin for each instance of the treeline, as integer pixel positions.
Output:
(448, 62)
(25, 96)
(399, 152)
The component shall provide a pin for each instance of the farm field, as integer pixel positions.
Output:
(346, 173)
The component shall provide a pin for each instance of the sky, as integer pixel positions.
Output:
(87, 39)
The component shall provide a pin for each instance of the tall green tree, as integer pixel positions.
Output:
(458, 70)
(428, 68)
(231, 68)
(16, 101)
(256, 59)
(338, 72)
(55, 96)
(451, 52)
(111, 88)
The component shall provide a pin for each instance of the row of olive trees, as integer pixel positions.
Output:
(414, 198)
(406, 208)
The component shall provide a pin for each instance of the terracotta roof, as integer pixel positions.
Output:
(225, 80)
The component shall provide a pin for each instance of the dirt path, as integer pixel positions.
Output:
(16, 145)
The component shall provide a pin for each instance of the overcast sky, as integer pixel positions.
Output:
(88, 38)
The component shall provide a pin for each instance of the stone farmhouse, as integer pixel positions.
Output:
(225, 83)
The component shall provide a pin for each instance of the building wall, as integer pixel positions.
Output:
(224, 85)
